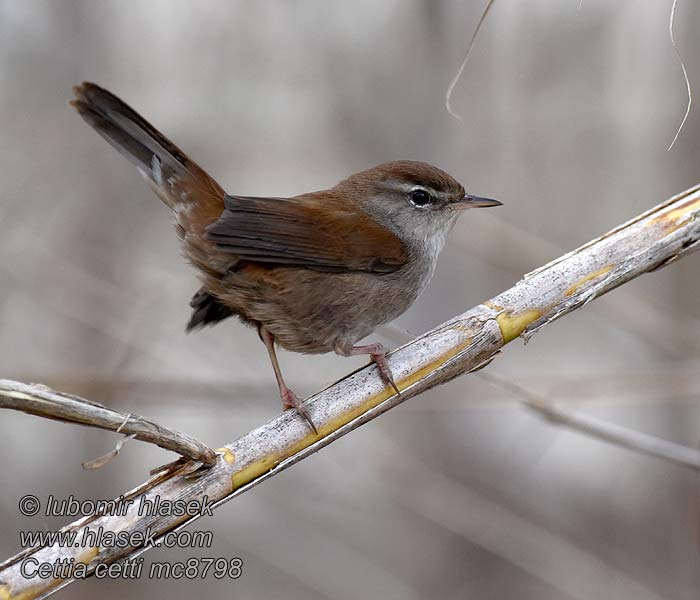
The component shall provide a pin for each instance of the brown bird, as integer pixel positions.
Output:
(313, 273)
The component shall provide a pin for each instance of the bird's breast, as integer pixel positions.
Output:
(310, 311)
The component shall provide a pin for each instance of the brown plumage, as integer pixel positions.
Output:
(314, 273)
(317, 231)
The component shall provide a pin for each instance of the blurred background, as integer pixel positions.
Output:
(461, 493)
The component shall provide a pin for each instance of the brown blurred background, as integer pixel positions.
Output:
(461, 493)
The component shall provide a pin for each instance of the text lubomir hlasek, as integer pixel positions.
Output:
(144, 505)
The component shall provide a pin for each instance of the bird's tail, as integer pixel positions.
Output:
(184, 186)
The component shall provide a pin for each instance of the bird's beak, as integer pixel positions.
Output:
(470, 201)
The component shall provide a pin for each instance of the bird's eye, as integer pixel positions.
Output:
(420, 198)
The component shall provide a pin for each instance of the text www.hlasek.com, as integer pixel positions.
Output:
(101, 538)
(95, 537)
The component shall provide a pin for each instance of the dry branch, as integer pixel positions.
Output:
(602, 430)
(458, 346)
(42, 401)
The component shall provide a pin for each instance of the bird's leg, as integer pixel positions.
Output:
(377, 353)
(289, 398)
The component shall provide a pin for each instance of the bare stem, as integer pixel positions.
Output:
(42, 401)
(599, 429)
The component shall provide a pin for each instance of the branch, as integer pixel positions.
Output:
(599, 429)
(44, 402)
(462, 344)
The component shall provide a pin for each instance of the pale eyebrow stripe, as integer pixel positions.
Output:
(406, 186)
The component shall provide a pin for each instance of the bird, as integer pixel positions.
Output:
(313, 273)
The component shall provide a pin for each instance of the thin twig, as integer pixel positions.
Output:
(685, 74)
(44, 402)
(465, 60)
(101, 461)
(597, 428)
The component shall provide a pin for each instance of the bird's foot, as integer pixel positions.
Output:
(291, 401)
(377, 353)
(379, 358)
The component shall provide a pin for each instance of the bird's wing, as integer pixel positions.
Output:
(315, 231)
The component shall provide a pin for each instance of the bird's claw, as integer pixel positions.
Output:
(384, 370)
(291, 401)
